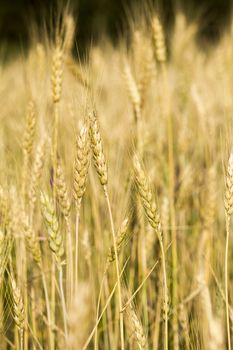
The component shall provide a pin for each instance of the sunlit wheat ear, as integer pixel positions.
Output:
(29, 129)
(81, 164)
(32, 242)
(159, 40)
(62, 192)
(120, 240)
(18, 307)
(69, 34)
(5, 245)
(229, 187)
(57, 72)
(135, 328)
(133, 90)
(146, 196)
(36, 173)
(143, 62)
(51, 222)
(97, 149)
(6, 213)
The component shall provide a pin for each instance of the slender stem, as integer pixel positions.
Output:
(53, 300)
(117, 267)
(51, 341)
(76, 247)
(21, 341)
(34, 328)
(97, 309)
(165, 296)
(25, 286)
(157, 320)
(226, 282)
(168, 116)
(54, 158)
(63, 302)
(70, 264)
(24, 253)
(54, 150)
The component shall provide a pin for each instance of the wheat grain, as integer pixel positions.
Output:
(62, 192)
(30, 128)
(97, 149)
(81, 164)
(159, 40)
(57, 72)
(136, 328)
(51, 222)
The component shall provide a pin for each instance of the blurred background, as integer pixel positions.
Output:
(95, 17)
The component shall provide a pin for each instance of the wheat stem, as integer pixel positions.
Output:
(226, 281)
(117, 266)
(51, 336)
(76, 248)
(63, 302)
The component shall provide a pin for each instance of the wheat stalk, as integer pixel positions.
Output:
(228, 210)
(153, 217)
(101, 168)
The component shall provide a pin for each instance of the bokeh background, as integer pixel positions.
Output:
(96, 17)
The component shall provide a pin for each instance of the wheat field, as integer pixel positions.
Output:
(116, 191)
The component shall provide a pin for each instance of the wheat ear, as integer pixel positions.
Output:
(28, 139)
(81, 165)
(133, 91)
(18, 309)
(69, 34)
(51, 222)
(35, 176)
(32, 242)
(136, 328)
(159, 40)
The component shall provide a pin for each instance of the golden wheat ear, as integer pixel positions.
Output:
(53, 230)
(97, 149)
(81, 164)
(159, 40)
(18, 307)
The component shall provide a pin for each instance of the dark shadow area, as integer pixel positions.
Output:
(95, 17)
